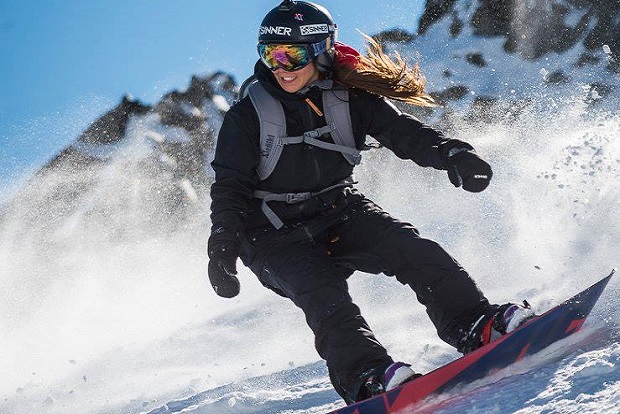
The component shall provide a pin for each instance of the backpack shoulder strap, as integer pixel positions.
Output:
(243, 89)
(272, 128)
(338, 117)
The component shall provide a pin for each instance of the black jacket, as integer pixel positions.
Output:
(303, 167)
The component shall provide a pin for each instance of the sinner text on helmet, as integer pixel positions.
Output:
(313, 29)
(279, 30)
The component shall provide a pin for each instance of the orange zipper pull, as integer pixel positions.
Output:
(314, 107)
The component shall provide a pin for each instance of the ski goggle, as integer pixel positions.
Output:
(287, 57)
(290, 57)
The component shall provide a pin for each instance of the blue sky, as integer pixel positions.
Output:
(66, 62)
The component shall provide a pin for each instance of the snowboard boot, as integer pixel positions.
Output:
(397, 374)
(491, 326)
(394, 375)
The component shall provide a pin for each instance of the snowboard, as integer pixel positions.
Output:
(531, 337)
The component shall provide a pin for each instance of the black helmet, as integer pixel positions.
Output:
(301, 22)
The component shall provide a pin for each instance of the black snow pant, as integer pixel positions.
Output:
(313, 272)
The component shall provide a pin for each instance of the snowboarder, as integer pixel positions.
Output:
(284, 200)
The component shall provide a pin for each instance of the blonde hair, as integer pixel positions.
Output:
(385, 75)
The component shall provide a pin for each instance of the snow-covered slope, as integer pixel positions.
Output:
(104, 302)
(514, 50)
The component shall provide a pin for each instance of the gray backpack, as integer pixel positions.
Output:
(273, 127)
(273, 137)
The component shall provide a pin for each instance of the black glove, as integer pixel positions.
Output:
(467, 169)
(223, 250)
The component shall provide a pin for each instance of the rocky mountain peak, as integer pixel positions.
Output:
(147, 163)
(487, 56)
(532, 29)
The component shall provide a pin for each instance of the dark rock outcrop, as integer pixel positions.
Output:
(148, 164)
(537, 28)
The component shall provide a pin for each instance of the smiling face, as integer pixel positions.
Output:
(296, 80)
